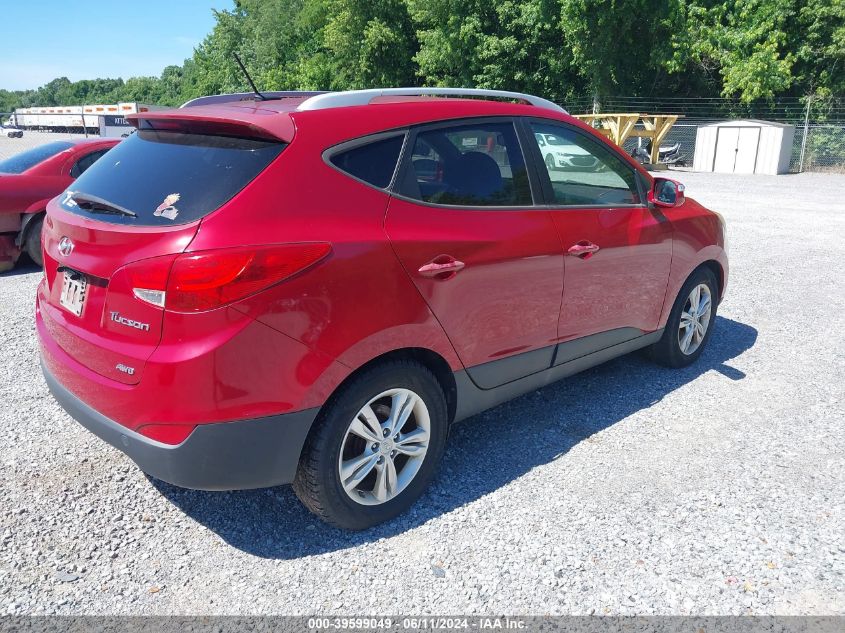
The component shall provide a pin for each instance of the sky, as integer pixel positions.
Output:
(86, 39)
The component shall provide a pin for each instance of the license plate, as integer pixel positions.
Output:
(73, 291)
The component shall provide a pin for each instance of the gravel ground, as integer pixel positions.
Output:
(629, 489)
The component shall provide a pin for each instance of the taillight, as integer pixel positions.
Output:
(209, 279)
(148, 278)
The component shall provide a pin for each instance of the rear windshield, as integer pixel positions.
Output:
(156, 178)
(19, 163)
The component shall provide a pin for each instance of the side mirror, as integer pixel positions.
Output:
(666, 193)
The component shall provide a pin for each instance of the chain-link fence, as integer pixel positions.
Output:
(824, 149)
(823, 120)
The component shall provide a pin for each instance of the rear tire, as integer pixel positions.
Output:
(375, 447)
(32, 243)
(691, 321)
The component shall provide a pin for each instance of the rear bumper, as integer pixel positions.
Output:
(223, 456)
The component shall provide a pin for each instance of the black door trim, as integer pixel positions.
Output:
(499, 372)
(576, 348)
(472, 399)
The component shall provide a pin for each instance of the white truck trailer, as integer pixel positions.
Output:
(73, 117)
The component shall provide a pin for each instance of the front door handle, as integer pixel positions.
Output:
(583, 249)
(442, 267)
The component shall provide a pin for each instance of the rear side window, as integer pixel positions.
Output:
(85, 162)
(167, 178)
(19, 163)
(374, 162)
(469, 165)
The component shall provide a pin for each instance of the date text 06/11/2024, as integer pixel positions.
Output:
(417, 623)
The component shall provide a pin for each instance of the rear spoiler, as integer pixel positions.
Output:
(220, 120)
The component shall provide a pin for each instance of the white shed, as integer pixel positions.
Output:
(744, 147)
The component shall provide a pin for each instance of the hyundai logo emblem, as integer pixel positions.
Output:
(65, 246)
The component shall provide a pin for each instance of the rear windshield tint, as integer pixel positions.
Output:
(167, 178)
(19, 163)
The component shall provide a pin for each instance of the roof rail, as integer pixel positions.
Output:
(249, 96)
(363, 97)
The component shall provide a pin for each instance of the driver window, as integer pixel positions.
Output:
(583, 172)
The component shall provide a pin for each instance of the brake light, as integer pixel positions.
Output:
(210, 279)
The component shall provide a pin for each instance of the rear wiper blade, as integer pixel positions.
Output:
(98, 205)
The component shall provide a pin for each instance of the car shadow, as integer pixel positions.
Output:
(24, 266)
(480, 456)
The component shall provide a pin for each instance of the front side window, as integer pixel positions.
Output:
(469, 165)
(581, 170)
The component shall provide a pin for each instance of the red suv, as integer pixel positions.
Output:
(311, 288)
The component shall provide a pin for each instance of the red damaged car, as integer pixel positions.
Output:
(311, 288)
(28, 181)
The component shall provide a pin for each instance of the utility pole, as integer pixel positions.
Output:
(806, 131)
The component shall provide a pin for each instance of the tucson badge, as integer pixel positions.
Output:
(115, 316)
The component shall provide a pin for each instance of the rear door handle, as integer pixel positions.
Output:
(583, 249)
(441, 267)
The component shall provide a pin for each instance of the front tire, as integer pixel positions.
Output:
(691, 321)
(376, 446)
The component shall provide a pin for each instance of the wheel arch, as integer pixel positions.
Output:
(429, 359)
(685, 262)
(26, 224)
(718, 272)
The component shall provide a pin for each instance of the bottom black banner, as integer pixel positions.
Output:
(528, 624)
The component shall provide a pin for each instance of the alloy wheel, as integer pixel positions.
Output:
(384, 447)
(695, 319)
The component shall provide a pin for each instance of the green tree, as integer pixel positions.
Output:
(620, 47)
(820, 47)
(528, 51)
(370, 43)
(744, 41)
(215, 69)
(170, 88)
(748, 49)
(450, 34)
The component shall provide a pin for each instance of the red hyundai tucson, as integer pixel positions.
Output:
(311, 288)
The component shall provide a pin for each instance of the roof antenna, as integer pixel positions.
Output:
(258, 95)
